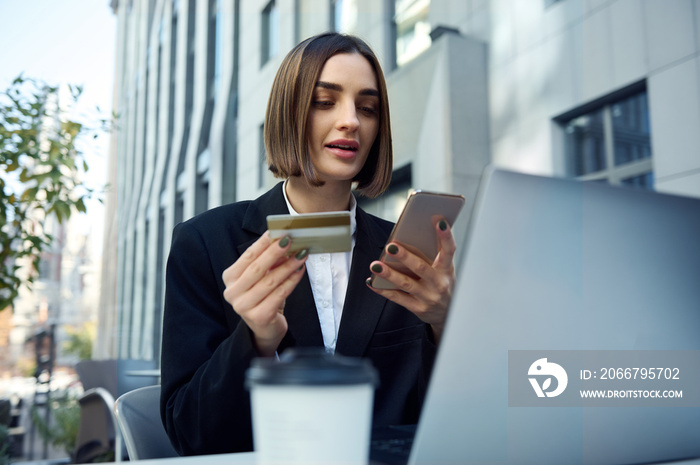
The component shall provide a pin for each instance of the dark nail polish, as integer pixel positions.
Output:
(368, 281)
(442, 225)
(301, 254)
(284, 241)
(301, 267)
(392, 249)
(377, 268)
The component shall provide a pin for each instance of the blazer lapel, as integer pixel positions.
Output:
(302, 317)
(299, 309)
(362, 307)
(255, 219)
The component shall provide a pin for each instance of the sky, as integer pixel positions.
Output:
(66, 42)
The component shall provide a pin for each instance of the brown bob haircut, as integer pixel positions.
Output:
(286, 133)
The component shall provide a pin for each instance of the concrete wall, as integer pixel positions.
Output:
(545, 62)
(488, 93)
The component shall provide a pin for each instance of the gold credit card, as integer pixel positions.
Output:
(318, 232)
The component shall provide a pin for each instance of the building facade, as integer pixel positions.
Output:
(600, 90)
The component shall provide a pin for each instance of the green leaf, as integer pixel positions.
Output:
(62, 210)
(58, 213)
(25, 175)
(80, 206)
(29, 195)
(55, 174)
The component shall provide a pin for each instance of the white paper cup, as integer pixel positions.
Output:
(311, 408)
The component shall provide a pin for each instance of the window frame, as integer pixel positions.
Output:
(400, 60)
(612, 173)
(269, 20)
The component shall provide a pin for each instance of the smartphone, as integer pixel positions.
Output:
(415, 229)
(317, 232)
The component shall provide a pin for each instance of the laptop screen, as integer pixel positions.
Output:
(563, 290)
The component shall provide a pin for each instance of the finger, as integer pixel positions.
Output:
(262, 317)
(426, 290)
(431, 310)
(251, 253)
(278, 297)
(402, 281)
(399, 297)
(417, 268)
(266, 319)
(428, 284)
(272, 283)
(251, 267)
(446, 246)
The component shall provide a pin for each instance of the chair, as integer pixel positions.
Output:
(98, 429)
(104, 381)
(115, 374)
(138, 416)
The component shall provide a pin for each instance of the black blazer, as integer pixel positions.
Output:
(206, 350)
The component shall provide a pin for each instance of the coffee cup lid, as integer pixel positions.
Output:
(310, 366)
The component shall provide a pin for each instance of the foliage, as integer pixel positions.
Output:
(4, 445)
(79, 342)
(41, 174)
(63, 430)
(25, 367)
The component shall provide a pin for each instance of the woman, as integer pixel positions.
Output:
(233, 294)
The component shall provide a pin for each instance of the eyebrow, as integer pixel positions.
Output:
(338, 88)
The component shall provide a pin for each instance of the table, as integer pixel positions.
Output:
(154, 373)
(248, 458)
(241, 458)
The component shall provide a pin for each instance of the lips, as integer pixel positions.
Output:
(343, 148)
(344, 144)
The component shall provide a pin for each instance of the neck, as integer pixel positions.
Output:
(310, 199)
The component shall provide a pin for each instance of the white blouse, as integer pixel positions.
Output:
(329, 274)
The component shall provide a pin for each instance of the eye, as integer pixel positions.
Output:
(368, 106)
(322, 103)
(370, 111)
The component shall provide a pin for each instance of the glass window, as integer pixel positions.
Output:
(644, 181)
(173, 77)
(344, 15)
(202, 192)
(215, 48)
(630, 125)
(270, 32)
(585, 144)
(412, 29)
(611, 143)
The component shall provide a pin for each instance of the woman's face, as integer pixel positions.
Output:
(344, 117)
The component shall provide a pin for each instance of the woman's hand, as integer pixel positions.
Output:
(429, 295)
(257, 285)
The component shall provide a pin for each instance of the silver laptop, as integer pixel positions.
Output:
(567, 287)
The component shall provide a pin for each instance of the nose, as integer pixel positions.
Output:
(348, 119)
